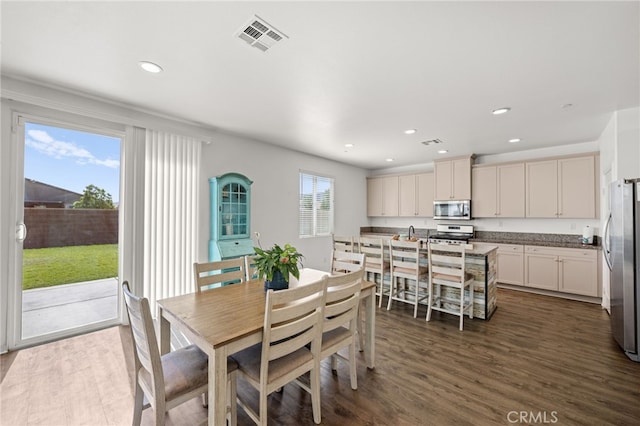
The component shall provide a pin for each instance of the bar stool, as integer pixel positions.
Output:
(447, 269)
(376, 264)
(406, 265)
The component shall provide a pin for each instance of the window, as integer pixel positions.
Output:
(316, 205)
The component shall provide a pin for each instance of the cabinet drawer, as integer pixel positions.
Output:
(510, 248)
(550, 251)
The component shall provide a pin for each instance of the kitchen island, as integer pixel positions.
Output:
(481, 262)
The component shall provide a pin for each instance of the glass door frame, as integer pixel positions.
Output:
(14, 308)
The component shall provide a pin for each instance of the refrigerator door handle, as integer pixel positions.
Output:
(605, 243)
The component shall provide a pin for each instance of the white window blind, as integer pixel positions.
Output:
(316, 205)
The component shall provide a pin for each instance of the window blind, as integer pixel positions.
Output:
(316, 205)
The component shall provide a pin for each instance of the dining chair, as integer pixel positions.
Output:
(250, 269)
(447, 269)
(171, 379)
(346, 261)
(343, 243)
(376, 264)
(340, 320)
(293, 319)
(409, 282)
(219, 273)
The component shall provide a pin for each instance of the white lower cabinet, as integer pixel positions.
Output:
(573, 271)
(510, 264)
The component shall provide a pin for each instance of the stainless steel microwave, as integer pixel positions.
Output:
(452, 209)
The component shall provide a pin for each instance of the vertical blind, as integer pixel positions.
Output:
(170, 214)
(316, 205)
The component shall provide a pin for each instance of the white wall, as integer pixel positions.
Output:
(546, 226)
(275, 193)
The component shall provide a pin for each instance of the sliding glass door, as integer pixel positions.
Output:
(67, 255)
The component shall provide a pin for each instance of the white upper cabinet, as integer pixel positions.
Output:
(416, 195)
(563, 188)
(498, 191)
(452, 179)
(382, 196)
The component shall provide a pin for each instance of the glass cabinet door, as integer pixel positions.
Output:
(233, 210)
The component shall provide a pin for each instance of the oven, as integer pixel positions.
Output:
(452, 234)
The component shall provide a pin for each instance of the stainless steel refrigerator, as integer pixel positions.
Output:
(622, 253)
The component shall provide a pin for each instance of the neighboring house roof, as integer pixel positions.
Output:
(42, 193)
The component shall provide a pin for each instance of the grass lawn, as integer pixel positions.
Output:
(51, 266)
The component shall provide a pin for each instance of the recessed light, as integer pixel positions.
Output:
(501, 110)
(150, 67)
(389, 160)
(567, 106)
(348, 145)
(514, 140)
(410, 131)
(442, 151)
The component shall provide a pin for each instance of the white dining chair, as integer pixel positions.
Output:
(290, 347)
(171, 379)
(218, 273)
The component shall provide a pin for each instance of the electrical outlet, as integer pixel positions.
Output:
(257, 234)
(573, 226)
(500, 224)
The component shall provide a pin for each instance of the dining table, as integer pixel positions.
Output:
(228, 319)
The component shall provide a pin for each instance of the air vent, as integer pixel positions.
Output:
(260, 34)
(431, 142)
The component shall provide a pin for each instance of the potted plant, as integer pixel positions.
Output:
(275, 265)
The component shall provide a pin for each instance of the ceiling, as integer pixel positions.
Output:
(350, 72)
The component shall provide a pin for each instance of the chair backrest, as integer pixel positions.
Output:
(250, 269)
(343, 243)
(446, 261)
(146, 353)
(292, 320)
(343, 297)
(346, 261)
(373, 248)
(218, 273)
(405, 257)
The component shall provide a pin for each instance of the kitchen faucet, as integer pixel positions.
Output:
(411, 228)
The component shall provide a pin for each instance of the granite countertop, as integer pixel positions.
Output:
(523, 238)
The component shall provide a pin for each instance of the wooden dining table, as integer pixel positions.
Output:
(228, 319)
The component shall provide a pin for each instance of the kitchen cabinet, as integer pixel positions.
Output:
(563, 188)
(416, 195)
(452, 179)
(572, 271)
(382, 196)
(511, 264)
(498, 191)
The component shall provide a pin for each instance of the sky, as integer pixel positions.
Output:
(72, 159)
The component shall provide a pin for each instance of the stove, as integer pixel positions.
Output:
(452, 234)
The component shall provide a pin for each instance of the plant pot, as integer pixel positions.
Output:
(277, 283)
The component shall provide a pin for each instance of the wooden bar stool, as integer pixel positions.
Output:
(447, 269)
(406, 266)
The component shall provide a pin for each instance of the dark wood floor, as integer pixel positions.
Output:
(553, 360)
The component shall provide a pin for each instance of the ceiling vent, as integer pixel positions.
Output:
(260, 34)
(431, 142)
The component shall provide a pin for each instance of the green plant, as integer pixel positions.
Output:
(285, 260)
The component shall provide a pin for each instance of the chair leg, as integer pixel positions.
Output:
(161, 412)
(138, 401)
(315, 392)
(461, 306)
(352, 366)
(430, 302)
(334, 363)
(263, 408)
(359, 329)
(392, 284)
(471, 290)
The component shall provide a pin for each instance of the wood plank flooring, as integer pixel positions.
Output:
(552, 359)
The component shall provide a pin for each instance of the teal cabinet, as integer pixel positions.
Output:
(230, 226)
